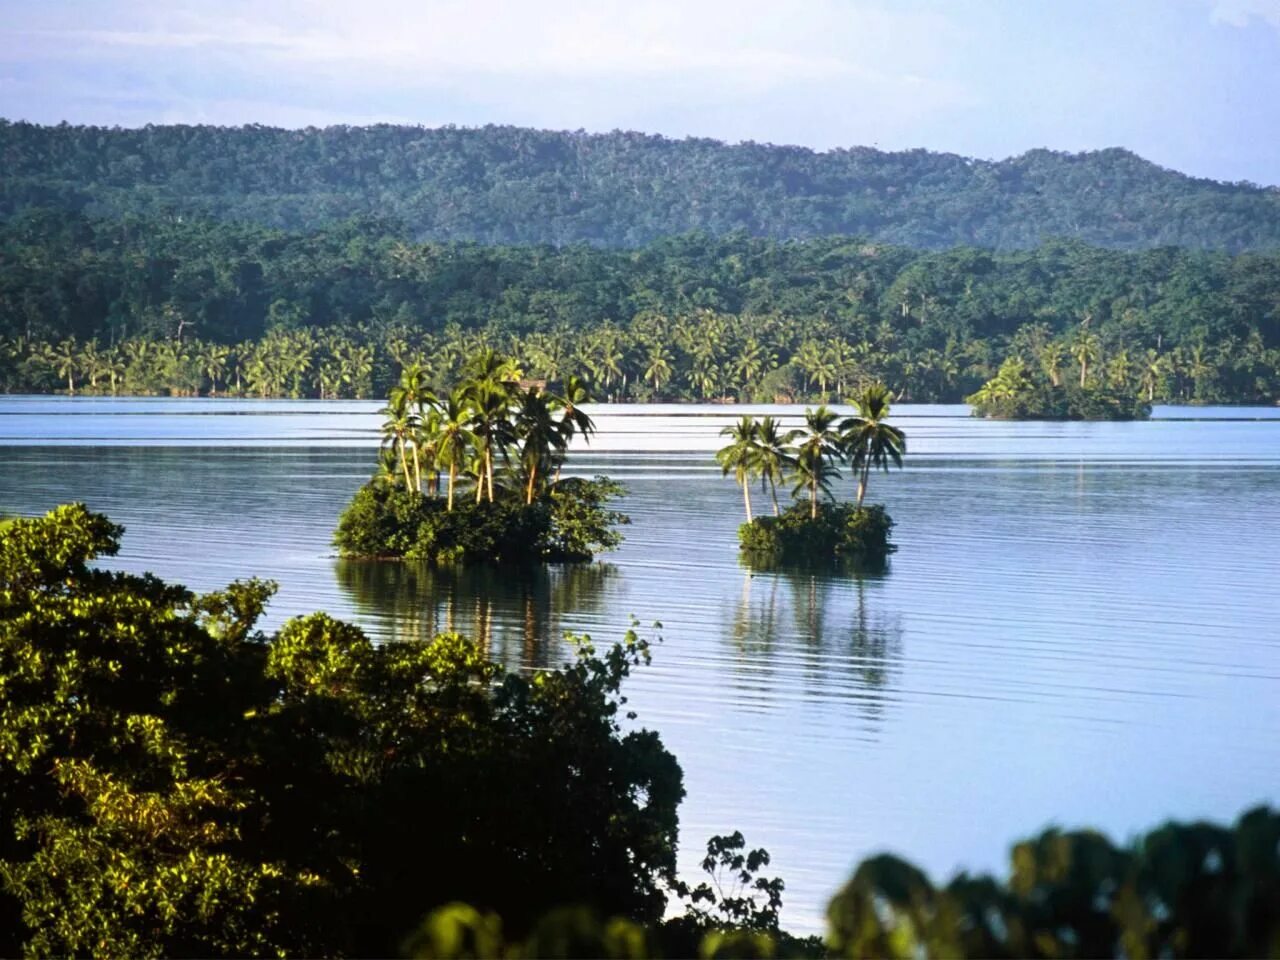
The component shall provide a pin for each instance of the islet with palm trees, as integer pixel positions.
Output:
(474, 473)
(815, 526)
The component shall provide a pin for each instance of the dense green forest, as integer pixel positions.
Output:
(169, 305)
(514, 185)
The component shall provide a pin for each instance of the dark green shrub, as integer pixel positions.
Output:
(581, 523)
(571, 523)
(380, 521)
(839, 531)
(1183, 890)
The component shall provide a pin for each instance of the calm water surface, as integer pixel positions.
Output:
(1080, 626)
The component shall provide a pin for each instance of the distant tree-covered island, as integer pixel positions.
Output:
(1046, 391)
(501, 184)
(474, 475)
(816, 528)
(172, 306)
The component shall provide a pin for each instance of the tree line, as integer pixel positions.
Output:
(169, 307)
(512, 185)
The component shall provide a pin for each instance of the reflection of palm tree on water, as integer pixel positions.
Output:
(515, 612)
(849, 649)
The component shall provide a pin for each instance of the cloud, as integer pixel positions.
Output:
(1241, 13)
(752, 42)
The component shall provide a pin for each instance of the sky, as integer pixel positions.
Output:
(1193, 85)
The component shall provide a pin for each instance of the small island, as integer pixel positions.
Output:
(473, 474)
(816, 527)
(1043, 391)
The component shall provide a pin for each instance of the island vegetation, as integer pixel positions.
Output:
(1019, 391)
(176, 782)
(502, 184)
(178, 307)
(474, 474)
(815, 528)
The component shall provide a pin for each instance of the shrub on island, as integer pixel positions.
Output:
(840, 530)
(570, 523)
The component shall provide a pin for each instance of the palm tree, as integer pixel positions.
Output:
(1086, 348)
(426, 445)
(490, 423)
(1153, 371)
(740, 456)
(773, 458)
(573, 419)
(816, 454)
(1053, 355)
(412, 393)
(456, 442)
(540, 436)
(397, 428)
(65, 359)
(658, 366)
(214, 360)
(868, 441)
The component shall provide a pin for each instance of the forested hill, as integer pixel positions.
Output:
(514, 185)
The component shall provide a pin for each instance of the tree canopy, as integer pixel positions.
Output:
(499, 184)
(181, 306)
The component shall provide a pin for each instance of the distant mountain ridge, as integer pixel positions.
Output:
(501, 184)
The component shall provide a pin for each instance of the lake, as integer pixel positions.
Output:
(1080, 626)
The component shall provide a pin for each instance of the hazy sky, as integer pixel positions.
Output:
(1190, 84)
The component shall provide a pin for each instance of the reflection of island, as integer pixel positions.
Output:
(820, 625)
(497, 606)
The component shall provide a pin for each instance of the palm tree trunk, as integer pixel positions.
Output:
(417, 469)
(453, 476)
(773, 492)
(813, 499)
(404, 465)
(862, 486)
(746, 497)
(488, 462)
(528, 494)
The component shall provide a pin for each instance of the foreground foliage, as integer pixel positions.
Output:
(174, 782)
(1182, 890)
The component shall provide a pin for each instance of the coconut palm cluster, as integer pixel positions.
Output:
(491, 416)
(810, 458)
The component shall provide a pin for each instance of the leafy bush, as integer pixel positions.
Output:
(570, 524)
(1183, 890)
(175, 783)
(840, 530)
